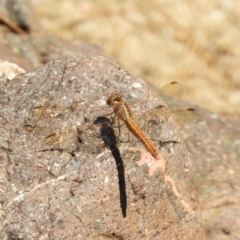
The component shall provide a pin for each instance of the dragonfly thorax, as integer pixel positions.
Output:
(122, 111)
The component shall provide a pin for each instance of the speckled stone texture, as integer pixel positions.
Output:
(58, 180)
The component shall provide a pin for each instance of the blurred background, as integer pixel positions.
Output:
(196, 43)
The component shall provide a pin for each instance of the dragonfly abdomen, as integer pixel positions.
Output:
(133, 127)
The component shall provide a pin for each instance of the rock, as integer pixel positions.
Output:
(213, 143)
(58, 181)
(9, 70)
(26, 43)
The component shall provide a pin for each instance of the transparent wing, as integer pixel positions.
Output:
(63, 128)
(35, 114)
(174, 89)
(64, 139)
(184, 115)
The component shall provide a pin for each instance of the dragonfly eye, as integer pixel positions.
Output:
(114, 98)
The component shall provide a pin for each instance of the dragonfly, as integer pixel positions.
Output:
(89, 138)
(123, 112)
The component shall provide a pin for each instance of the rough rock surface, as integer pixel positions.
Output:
(212, 140)
(57, 179)
(213, 143)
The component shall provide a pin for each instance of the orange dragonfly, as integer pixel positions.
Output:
(123, 112)
(87, 138)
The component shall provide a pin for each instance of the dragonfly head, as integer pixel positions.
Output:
(114, 99)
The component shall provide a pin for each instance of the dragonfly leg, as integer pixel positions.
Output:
(163, 143)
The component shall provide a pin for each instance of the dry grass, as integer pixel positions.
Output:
(194, 42)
